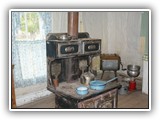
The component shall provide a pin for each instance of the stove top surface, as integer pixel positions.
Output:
(69, 89)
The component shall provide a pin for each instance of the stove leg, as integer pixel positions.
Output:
(56, 102)
(102, 74)
(115, 72)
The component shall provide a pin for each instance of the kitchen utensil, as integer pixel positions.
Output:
(133, 73)
(99, 84)
(133, 67)
(124, 89)
(55, 83)
(86, 78)
(82, 90)
(55, 71)
(110, 62)
(133, 70)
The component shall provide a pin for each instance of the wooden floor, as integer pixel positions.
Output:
(134, 99)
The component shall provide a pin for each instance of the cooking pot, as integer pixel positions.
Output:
(86, 78)
(99, 84)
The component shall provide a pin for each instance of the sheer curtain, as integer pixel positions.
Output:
(29, 56)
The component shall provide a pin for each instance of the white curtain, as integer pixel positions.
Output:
(29, 56)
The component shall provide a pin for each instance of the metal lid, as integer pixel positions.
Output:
(64, 37)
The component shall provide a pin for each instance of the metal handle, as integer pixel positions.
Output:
(91, 47)
(122, 67)
(111, 80)
(69, 49)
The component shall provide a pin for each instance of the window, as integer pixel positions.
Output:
(31, 26)
(29, 30)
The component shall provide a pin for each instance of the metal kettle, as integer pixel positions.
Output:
(86, 78)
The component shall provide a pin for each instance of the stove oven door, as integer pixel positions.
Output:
(91, 46)
(68, 49)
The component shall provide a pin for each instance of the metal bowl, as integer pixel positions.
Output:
(133, 67)
(133, 70)
(132, 73)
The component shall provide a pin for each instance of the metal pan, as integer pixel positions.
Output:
(99, 84)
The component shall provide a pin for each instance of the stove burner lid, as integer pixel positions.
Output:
(65, 36)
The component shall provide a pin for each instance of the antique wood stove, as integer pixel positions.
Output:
(68, 56)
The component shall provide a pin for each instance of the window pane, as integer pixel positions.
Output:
(29, 26)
